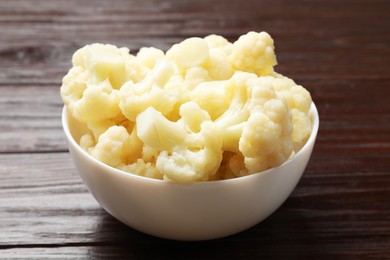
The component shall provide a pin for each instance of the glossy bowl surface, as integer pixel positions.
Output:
(197, 211)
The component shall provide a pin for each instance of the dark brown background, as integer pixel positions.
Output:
(338, 50)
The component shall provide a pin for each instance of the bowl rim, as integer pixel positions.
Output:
(71, 141)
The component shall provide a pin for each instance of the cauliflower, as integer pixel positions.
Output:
(87, 142)
(90, 89)
(103, 61)
(217, 42)
(182, 90)
(299, 101)
(149, 56)
(192, 153)
(192, 59)
(117, 148)
(205, 110)
(218, 65)
(111, 146)
(214, 97)
(254, 52)
(266, 139)
(142, 168)
(209, 54)
(134, 98)
(99, 127)
(189, 53)
(89, 101)
(196, 75)
(257, 123)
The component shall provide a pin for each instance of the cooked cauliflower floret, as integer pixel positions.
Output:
(205, 110)
(266, 139)
(257, 123)
(87, 141)
(98, 101)
(142, 168)
(149, 56)
(254, 52)
(218, 65)
(217, 42)
(214, 97)
(191, 148)
(90, 89)
(196, 75)
(189, 53)
(299, 101)
(103, 61)
(135, 98)
(117, 148)
(99, 127)
(111, 146)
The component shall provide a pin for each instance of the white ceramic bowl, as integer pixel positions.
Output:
(197, 211)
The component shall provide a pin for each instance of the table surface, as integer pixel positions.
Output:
(338, 50)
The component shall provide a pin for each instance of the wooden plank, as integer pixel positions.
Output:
(30, 119)
(42, 64)
(43, 200)
(145, 248)
(43, 203)
(339, 50)
(39, 37)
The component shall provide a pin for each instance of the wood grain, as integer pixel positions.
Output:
(338, 50)
(53, 210)
(314, 40)
(30, 119)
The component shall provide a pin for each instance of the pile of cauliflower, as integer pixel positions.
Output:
(207, 109)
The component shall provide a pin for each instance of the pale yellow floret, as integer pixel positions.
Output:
(136, 71)
(149, 154)
(192, 153)
(218, 65)
(232, 166)
(116, 147)
(257, 125)
(103, 61)
(133, 148)
(189, 53)
(206, 110)
(149, 56)
(299, 101)
(73, 85)
(142, 168)
(99, 127)
(302, 128)
(266, 137)
(217, 42)
(156, 131)
(181, 91)
(195, 76)
(87, 141)
(99, 101)
(150, 92)
(254, 53)
(197, 160)
(214, 97)
(111, 145)
(90, 89)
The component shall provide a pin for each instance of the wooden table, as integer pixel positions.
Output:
(338, 50)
